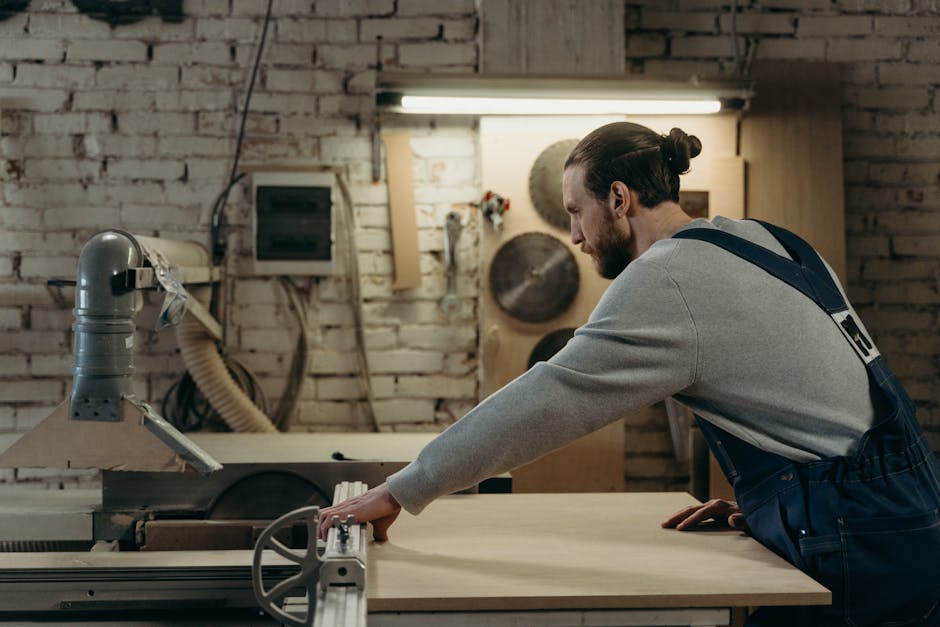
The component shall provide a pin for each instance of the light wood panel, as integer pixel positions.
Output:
(791, 139)
(528, 36)
(552, 551)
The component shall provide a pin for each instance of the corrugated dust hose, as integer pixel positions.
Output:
(208, 369)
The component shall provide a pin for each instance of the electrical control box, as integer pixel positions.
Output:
(293, 226)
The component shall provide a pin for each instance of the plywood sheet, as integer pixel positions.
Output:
(552, 551)
(401, 198)
(527, 36)
(791, 138)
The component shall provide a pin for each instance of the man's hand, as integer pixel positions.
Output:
(377, 506)
(722, 512)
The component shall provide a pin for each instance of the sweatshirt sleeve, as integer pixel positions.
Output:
(638, 347)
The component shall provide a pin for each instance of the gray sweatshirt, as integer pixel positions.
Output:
(687, 319)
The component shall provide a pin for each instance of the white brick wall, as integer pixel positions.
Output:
(133, 127)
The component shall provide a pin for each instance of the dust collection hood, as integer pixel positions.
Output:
(481, 94)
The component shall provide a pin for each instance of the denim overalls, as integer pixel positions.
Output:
(866, 526)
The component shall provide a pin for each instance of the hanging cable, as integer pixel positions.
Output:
(348, 225)
(734, 38)
(300, 362)
(218, 243)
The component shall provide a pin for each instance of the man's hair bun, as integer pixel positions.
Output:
(679, 148)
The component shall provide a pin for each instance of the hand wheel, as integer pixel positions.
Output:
(307, 559)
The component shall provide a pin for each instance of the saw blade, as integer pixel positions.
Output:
(550, 344)
(534, 277)
(545, 183)
(265, 495)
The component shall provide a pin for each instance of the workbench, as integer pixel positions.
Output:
(523, 560)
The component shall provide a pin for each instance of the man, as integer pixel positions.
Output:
(744, 324)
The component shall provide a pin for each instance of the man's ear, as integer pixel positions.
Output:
(619, 199)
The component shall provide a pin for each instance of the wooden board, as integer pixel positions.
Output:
(553, 551)
(401, 204)
(60, 442)
(526, 36)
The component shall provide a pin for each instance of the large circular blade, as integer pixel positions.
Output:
(534, 277)
(550, 344)
(545, 183)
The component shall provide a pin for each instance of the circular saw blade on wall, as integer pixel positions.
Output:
(534, 277)
(545, 182)
(550, 344)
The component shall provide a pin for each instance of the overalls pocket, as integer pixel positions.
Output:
(892, 569)
(769, 524)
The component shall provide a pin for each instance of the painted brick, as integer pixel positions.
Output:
(334, 363)
(349, 8)
(14, 365)
(696, 46)
(700, 22)
(838, 26)
(164, 123)
(77, 216)
(868, 245)
(403, 410)
(156, 30)
(437, 387)
(401, 28)
(193, 100)
(106, 50)
(32, 390)
(35, 75)
(228, 29)
(33, 49)
(251, 7)
(436, 54)
(139, 76)
(921, 26)
(798, 5)
(894, 98)
(440, 7)
(29, 99)
(457, 30)
(47, 267)
(681, 69)
(49, 366)
(201, 77)
(11, 318)
(145, 169)
(348, 56)
(919, 246)
(109, 100)
(67, 25)
(405, 361)
(865, 48)
(315, 81)
(199, 53)
(645, 45)
(926, 51)
(786, 48)
(869, 6)
(908, 73)
(903, 173)
(760, 23)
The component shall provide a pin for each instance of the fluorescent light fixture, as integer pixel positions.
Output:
(474, 105)
(479, 94)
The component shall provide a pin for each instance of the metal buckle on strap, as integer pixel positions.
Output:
(860, 342)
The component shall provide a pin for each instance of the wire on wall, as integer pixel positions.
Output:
(348, 225)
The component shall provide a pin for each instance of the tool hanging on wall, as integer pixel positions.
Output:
(545, 183)
(450, 304)
(493, 207)
(534, 277)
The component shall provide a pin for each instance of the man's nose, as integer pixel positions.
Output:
(576, 235)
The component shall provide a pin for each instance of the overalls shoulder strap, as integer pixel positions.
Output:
(805, 272)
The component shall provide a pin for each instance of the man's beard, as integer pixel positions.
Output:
(612, 254)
